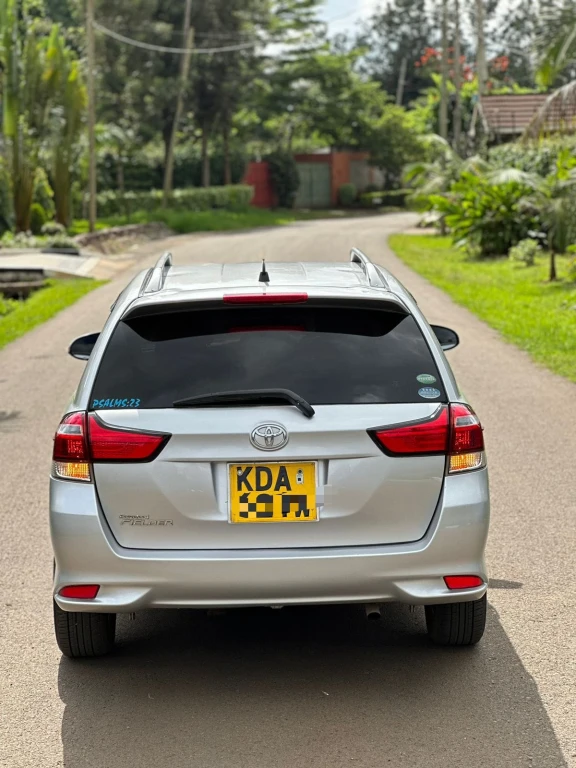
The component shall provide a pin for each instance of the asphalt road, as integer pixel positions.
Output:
(302, 687)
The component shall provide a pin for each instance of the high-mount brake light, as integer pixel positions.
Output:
(83, 438)
(265, 298)
(454, 430)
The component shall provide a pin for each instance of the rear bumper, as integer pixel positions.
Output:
(131, 580)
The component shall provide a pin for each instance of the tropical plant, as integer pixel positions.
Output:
(67, 122)
(552, 200)
(487, 217)
(557, 44)
(43, 193)
(29, 76)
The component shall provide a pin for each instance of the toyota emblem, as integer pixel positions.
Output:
(269, 437)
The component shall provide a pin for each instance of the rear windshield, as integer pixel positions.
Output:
(327, 355)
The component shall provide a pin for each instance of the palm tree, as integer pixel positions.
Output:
(557, 45)
(553, 199)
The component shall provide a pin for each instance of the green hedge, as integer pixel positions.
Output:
(232, 198)
(533, 157)
(394, 197)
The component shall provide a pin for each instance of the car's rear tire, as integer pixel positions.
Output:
(456, 623)
(84, 635)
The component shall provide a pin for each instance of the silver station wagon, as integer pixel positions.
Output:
(246, 435)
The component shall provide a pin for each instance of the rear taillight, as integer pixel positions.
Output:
(466, 440)
(82, 439)
(70, 459)
(453, 430)
(119, 444)
(419, 438)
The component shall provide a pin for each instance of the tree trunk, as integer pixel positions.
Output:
(120, 175)
(457, 81)
(227, 166)
(480, 48)
(444, 83)
(205, 157)
(553, 275)
(62, 190)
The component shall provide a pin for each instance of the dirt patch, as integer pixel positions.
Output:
(121, 239)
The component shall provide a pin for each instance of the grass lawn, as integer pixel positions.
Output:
(537, 316)
(19, 317)
(185, 222)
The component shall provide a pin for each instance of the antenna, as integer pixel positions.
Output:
(264, 277)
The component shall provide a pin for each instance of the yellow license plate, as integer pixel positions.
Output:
(273, 493)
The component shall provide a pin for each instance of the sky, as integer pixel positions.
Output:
(342, 14)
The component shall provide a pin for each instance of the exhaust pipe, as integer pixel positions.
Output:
(373, 612)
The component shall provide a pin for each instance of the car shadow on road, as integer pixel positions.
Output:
(298, 688)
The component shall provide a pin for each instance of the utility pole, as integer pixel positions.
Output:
(457, 80)
(481, 52)
(444, 84)
(169, 170)
(91, 115)
(401, 82)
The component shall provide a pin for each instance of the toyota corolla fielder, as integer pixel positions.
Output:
(246, 438)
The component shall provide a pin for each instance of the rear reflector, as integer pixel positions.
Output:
(453, 430)
(265, 298)
(463, 582)
(80, 592)
(117, 444)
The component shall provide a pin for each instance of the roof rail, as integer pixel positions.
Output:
(156, 277)
(375, 279)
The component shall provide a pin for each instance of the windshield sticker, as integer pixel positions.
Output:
(430, 393)
(117, 403)
(426, 378)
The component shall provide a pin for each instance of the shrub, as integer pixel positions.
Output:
(393, 197)
(53, 228)
(539, 157)
(37, 218)
(43, 193)
(525, 252)
(232, 198)
(7, 305)
(487, 219)
(284, 177)
(62, 241)
(347, 195)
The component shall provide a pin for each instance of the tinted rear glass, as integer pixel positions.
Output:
(326, 355)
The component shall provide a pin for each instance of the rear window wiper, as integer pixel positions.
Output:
(245, 397)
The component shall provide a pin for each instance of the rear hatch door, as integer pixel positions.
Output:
(250, 475)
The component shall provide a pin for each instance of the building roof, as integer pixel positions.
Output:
(511, 113)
